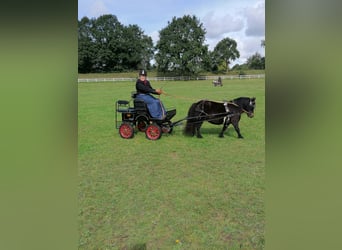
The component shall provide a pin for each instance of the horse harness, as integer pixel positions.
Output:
(201, 109)
(227, 114)
(226, 117)
(243, 110)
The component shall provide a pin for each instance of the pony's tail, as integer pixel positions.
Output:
(189, 129)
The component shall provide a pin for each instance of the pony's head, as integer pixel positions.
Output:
(249, 107)
(246, 104)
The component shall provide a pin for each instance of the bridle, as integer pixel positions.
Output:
(249, 113)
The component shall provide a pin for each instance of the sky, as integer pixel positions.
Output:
(241, 20)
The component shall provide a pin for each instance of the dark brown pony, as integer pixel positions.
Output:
(218, 113)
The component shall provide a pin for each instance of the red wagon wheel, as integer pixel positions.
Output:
(153, 132)
(142, 123)
(126, 131)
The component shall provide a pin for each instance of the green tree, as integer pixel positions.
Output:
(108, 35)
(138, 48)
(105, 45)
(86, 46)
(226, 51)
(181, 48)
(256, 61)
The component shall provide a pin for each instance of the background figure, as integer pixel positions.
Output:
(144, 91)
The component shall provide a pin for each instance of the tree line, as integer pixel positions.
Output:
(106, 45)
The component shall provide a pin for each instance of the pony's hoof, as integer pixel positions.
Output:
(221, 136)
(240, 137)
(199, 136)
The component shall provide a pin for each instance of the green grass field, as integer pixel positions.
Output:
(177, 192)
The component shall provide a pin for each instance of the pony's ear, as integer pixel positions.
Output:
(253, 98)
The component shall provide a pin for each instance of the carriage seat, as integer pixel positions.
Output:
(122, 106)
(140, 105)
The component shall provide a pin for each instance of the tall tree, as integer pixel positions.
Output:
(226, 51)
(138, 48)
(181, 48)
(105, 45)
(256, 61)
(108, 35)
(86, 48)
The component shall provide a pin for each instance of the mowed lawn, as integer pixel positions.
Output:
(176, 192)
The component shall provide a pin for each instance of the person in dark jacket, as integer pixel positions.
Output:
(145, 91)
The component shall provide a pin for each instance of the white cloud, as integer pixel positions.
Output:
(255, 17)
(243, 23)
(98, 8)
(253, 45)
(247, 47)
(155, 36)
(216, 26)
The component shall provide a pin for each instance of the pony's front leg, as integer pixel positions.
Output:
(237, 129)
(225, 126)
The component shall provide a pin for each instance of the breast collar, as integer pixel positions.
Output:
(226, 106)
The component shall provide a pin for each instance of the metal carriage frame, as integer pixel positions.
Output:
(133, 116)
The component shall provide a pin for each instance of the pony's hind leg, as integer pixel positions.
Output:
(197, 129)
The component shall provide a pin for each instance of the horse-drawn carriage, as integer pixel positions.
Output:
(135, 115)
(218, 82)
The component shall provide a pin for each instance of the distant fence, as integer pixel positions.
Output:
(177, 78)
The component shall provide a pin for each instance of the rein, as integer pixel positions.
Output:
(224, 116)
(194, 100)
(202, 110)
(180, 97)
(245, 111)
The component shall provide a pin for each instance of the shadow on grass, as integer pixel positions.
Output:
(230, 132)
(140, 246)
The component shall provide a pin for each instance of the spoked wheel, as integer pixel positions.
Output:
(126, 131)
(153, 132)
(142, 124)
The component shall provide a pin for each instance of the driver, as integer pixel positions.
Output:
(145, 91)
